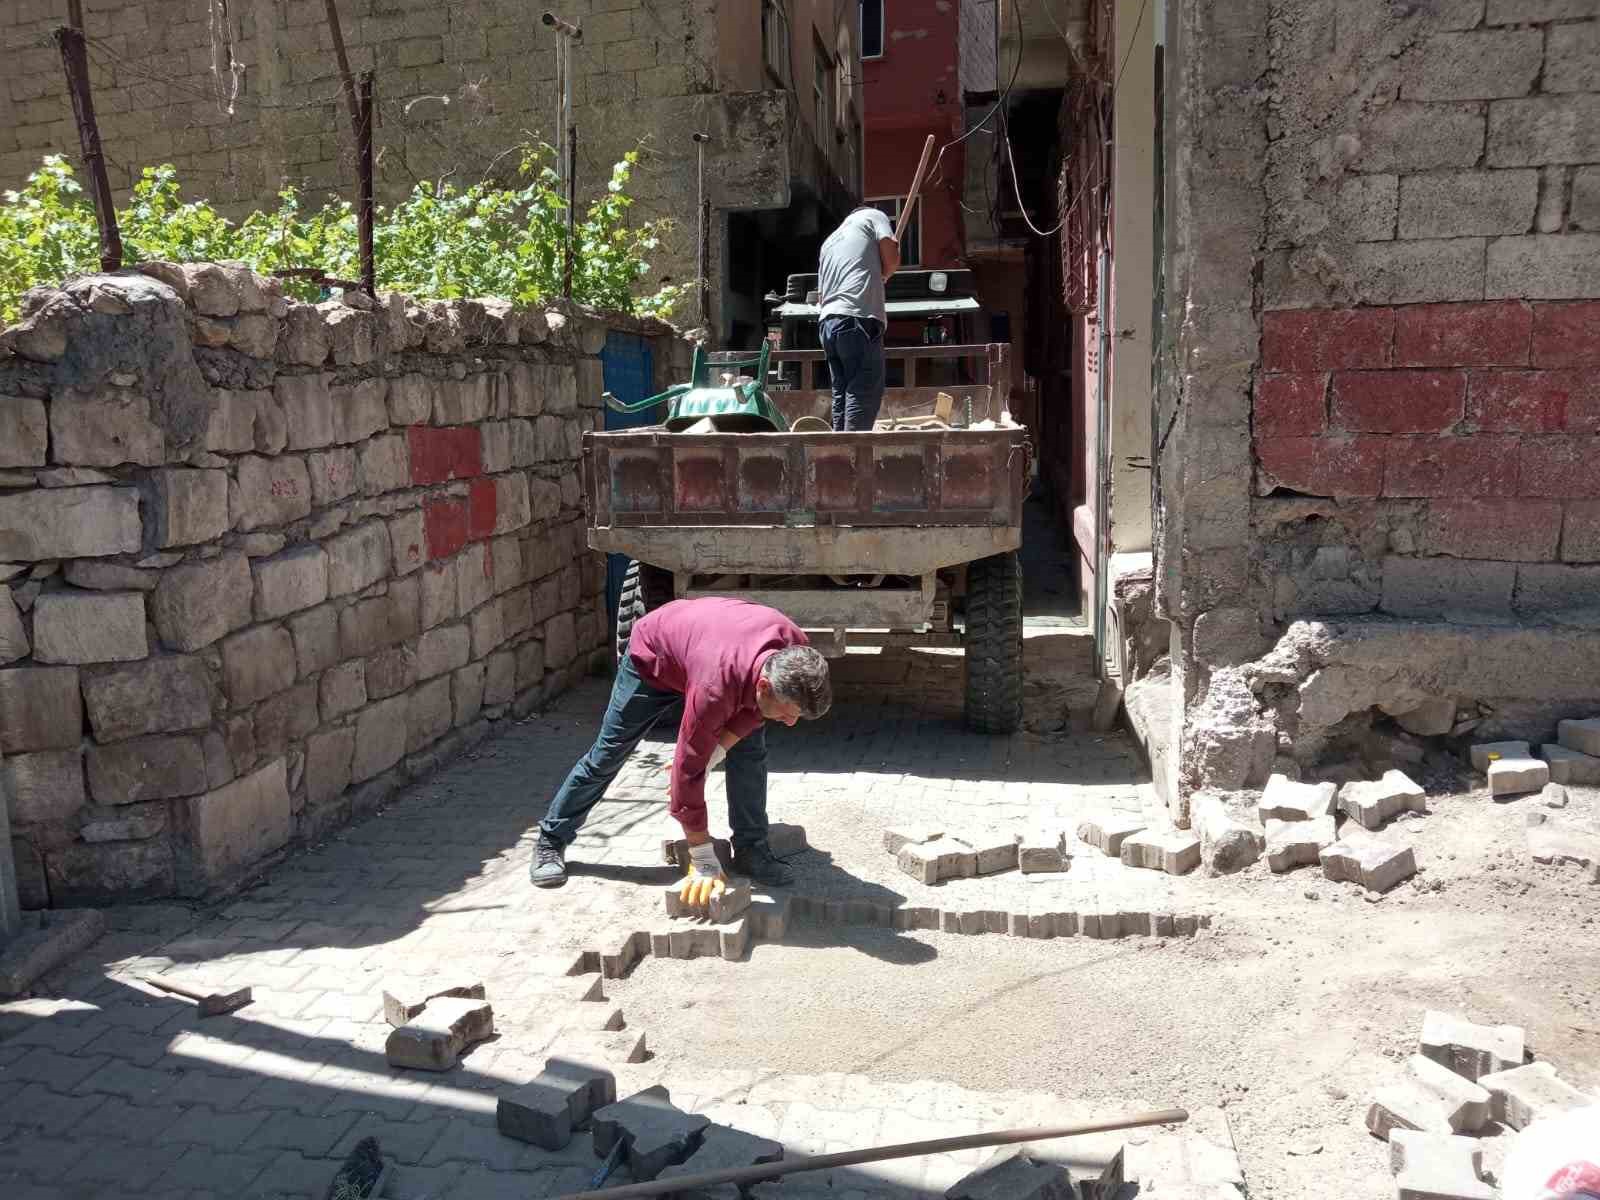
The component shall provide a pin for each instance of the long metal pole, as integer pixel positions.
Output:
(352, 101)
(75, 62)
(364, 210)
(850, 1158)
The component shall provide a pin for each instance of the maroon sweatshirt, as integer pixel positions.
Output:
(712, 651)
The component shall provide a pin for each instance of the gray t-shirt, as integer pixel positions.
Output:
(850, 273)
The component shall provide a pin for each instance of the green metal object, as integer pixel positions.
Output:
(737, 408)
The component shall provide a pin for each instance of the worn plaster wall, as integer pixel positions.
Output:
(264, 561)
(1380, 401)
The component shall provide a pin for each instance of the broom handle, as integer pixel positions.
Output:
(916, 186)
(850, 1158)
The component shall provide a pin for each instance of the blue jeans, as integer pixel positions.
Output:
(634, 709)
(854, 348)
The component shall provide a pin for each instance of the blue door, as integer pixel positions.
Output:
(628, 370)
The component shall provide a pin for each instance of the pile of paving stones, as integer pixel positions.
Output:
(1556, 835)
(1465, 1079)
(930, 855)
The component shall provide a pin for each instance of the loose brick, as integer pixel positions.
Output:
(1291, 405)
(1322, 466)
(1226, 845)
(1471, 1051)
(1042, 851)
(1571, 767)
(405, 1000)
(1479, 465)
(1560, 467)
(1523, 1094)
(152, 768)
(1564, 334)
(257, 663)
(1544, 129)
(1107, 832)
(1286, 800)
(905, 835)
(1298, 843)
(1174, 851)
(1436, 1166)
(995, 852)
(1433, 1099)
(1011, 1174)
(1374, 804)
(920, 860)
(652, 1130)
(1463, 335)
(1376, 865)
(560, 1099)
(89, 627)
(434, 1040)
(438, 455)
(1484, 753)
(1320, 339)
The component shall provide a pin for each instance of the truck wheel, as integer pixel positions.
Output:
(643, 588)
(993, 644)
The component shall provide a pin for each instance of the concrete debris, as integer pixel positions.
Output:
(1433, 1166)
(654, 1132)
(1470, 1050)
(1522, 1095)
(403, 1001)
(1483, 750)
(1013, 1175)
(1372, 805)
(722, 1148)
(1226, 845)
(1175, 851)
(435, 1038)
(1431, 1098)
(1107, 832)
(1582, 736)
(1293, 844)
(1570, 767)
(560, 1099)
(1517, 776)
(1286, 800)
(1376, 865)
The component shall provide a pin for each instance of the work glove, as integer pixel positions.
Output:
(705, 879)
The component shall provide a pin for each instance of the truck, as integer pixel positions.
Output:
(904, 536)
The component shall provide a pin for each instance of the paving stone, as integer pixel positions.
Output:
(1175, 851)
(559, 1100)
(723, 1148)
(1286, 800)
(89, 627)
(1107, 832)
(434, 1040)
(198, 603)
(1470, 1050)
(1517, 776)
(1482, 750)
(1524, 1094)
(906, 835)
(1562, 845)
(1372, 804)
(655, 1133)
(994, 852)
(733, 900)
(1582, 736)
(920, 860)
(1042, 851)
(1433, 1166)
(404, 1001)
(1376, 865)
(1293, 844)
(1013, 1175)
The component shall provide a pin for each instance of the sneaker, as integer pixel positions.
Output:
(757, 863)
(549, 866)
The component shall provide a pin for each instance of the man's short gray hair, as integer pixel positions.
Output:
(799, 675)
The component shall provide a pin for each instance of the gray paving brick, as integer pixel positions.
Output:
(117, 1167)
(224, 1091)
(423, 1183)
(58, 1072)
(469, 1140)
(37, 1107)
(404, 1141)
(203, 1168)
(130, 1045)
(221, 1131)
(142, 1123)
(296, 1175)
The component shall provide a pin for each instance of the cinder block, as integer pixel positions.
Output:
(1523, 1094)
(1433, 1166)
(1582, 736)
(435, 1038)
(402, 1001)
(1293, 844)
(1470, 1050)
(1516, 776)
(1376, 865)
(1372, 805)
(560, 1099)
(1285, 800)
(1107, 832)
(1175, 851)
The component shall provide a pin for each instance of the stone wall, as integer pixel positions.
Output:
(1380, 380)
(262, 562)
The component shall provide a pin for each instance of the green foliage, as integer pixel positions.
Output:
(441, 242)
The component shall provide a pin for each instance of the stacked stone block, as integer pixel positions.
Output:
(265, 561)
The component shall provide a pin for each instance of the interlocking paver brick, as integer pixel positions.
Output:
(1521, 1095)
(406, 1142)
(201, 1168)
(1468, 1049)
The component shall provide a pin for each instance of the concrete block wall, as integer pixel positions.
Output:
(263, 562)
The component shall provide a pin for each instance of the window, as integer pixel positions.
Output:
(775, 40)
(822, 90)
(911, 240)
(872, 28)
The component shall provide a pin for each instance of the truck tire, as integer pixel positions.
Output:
(643, 588)
(993, 644)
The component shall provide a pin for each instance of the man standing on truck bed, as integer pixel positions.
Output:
(857, 260)
(722, 666)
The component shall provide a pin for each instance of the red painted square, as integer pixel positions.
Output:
(1561, 467)
(1534, 401)
(1480, 465)
(1509, 530)
(1318, 339)
(1398, 401)
(482, 505)
(1291, 405)
(441, 453)
(444, 522)
(1567, 335)
(1322, 466)
(1463, 335)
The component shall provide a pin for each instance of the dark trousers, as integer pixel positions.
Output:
(854, 348)
(634, 709)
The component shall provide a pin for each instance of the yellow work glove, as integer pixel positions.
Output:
(705, 879)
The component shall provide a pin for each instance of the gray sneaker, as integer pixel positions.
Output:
(549, 866)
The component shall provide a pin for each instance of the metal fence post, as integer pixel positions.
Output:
(75, 61)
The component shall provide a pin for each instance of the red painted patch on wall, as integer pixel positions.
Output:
(1567, 335)
(1323, 466)
(438, 454)
(482, 506)
(1481, 465)
(1516, 530)
(1561, 467)
(1535, 401)
(1316, 339)
(1463, 335)
(1292, 405)
(444, 522)
(1398, 401)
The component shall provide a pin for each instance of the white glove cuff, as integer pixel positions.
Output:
(704, 859)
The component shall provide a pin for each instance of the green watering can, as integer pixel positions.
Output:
(735, 408)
